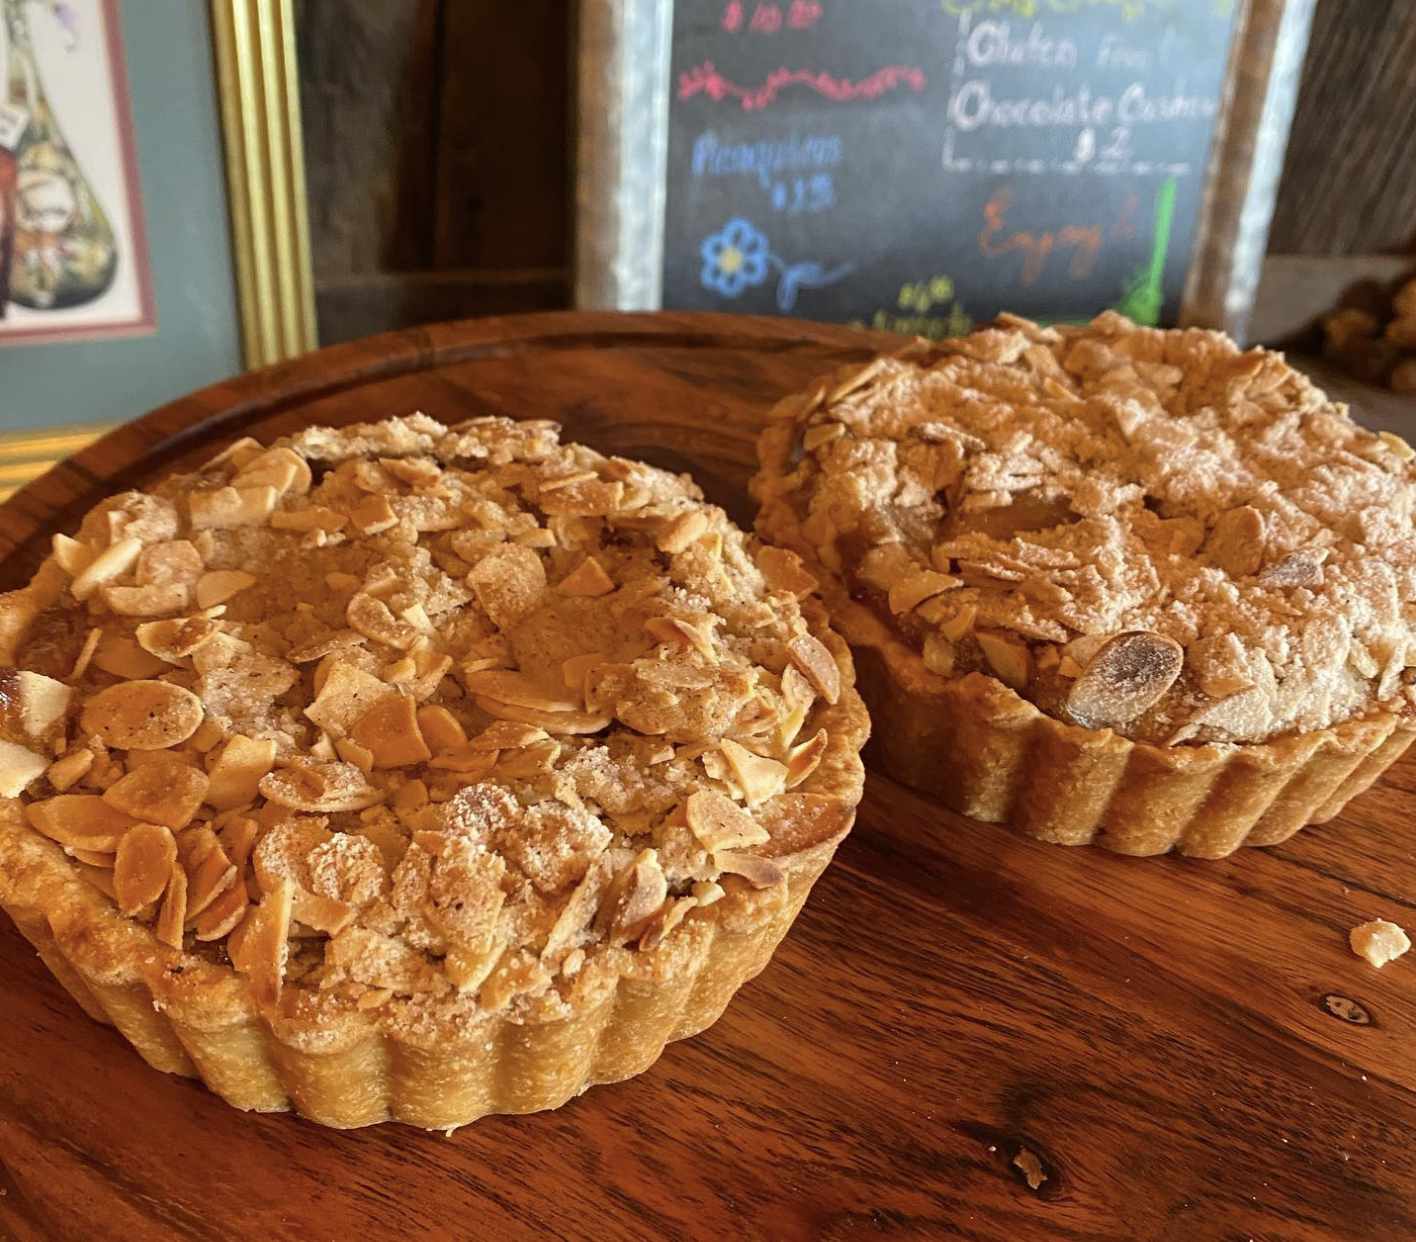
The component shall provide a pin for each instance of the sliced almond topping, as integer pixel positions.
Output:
(93, 858)
(803, 760)
(1008, 657)
(810, 655)
(113, 562)
(161, 793)
(823, 433)
(209, 877)
(85, 821)
(913, 590)
(707, 892)
(587, 579)
(635, 897)
(143, 868)
(507, 735)
(231, 506)
(784, 571)
(235, 777)
(172, 917)
(19, 768)
(264, 948)
(390, 732)
(86, 652)
(515, 690)
(939, 654)
(670, 916)
(315, 517)
(71, 555)
(219, 585)
(1236, 544)
(1126, 677)
(509, 583)
(159, 600)
(66, 772)
(683, 531)
(324, 914)
(1402, 450)
(676, 630)
(320, 787)
(374, 619)
(121, 656)
(440, 728)
(175, 640)
(961, 623)
(143, 715)
(347, 694)
(552, 722)
(238, 838)
(758, 871)
(338, 640)
(280, 468)
(758, 778)
(719, 823)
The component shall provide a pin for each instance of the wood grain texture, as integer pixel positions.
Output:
(1349, 186)
(968, 1034)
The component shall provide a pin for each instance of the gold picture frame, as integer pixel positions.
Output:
(258, 87)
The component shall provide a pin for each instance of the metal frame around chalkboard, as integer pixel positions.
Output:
(624, 51)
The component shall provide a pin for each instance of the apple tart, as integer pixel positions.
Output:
(399, 771)
(1109, 583)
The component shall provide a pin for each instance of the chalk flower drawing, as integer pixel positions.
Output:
(738, 256)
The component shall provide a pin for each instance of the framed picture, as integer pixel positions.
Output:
(152, 209)
(921, 165)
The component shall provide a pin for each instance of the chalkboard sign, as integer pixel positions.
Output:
(919, 165)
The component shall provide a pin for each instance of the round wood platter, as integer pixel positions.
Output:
(966, 1035)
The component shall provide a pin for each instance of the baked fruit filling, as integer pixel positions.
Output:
(1146, 531)
(400, 714)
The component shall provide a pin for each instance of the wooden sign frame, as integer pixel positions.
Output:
(624, 89)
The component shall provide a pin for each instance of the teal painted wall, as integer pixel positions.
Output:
(167, 44)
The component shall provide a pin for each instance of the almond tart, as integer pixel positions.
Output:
(415, 773)
(1107, 583)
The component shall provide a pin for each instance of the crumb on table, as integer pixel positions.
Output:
(1378, 941)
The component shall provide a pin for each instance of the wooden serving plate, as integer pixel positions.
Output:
(967, 1034)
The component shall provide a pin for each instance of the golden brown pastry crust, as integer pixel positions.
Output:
(965, 736)
(433, 727)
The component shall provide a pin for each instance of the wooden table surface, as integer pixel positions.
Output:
(966, 1035)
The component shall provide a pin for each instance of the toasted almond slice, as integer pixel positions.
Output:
(635, 897)
(219, 585)
(43, 701)
(223, 914)
(507, 735)
(719, 823)
(162, 793)
(172, 917)
(101, 878)
(347, 693)
(120, 655)
(374, 619)
(803, 760)
(315, 786)
(158, 600)
(324, 914)
(466, 762)
(516, 690)
(19, 768)
(317, 649)
(1008, 657)
(143, 867)
(93, 858)
(235, 777)
(823, 433)
(1128, 675)
(552, 722)
(758, 871)
(71, 555)
(352, 752)
(86, 653)
(66, 772)
(373, 516)
(238, 838)
(208, 877)
(263, 949)
(440, 728)
(231, 506)
(811, 656)
(670, 916)
(587, 579)
(143, 715)
(683, 531)
(176, 639)
(913, 590)
(281, 468)
(707, 892)
(508, 582)
(684, 633)
(758, 778)
(113, 562)
(314, 517)
(390, 732)
(784, 571)
(84, 821)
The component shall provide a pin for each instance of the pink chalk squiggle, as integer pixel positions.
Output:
(704, 79)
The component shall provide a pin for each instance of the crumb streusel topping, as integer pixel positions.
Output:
(403, 711)
(1146, 530)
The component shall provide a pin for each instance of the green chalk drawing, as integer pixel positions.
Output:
(1145, 292)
